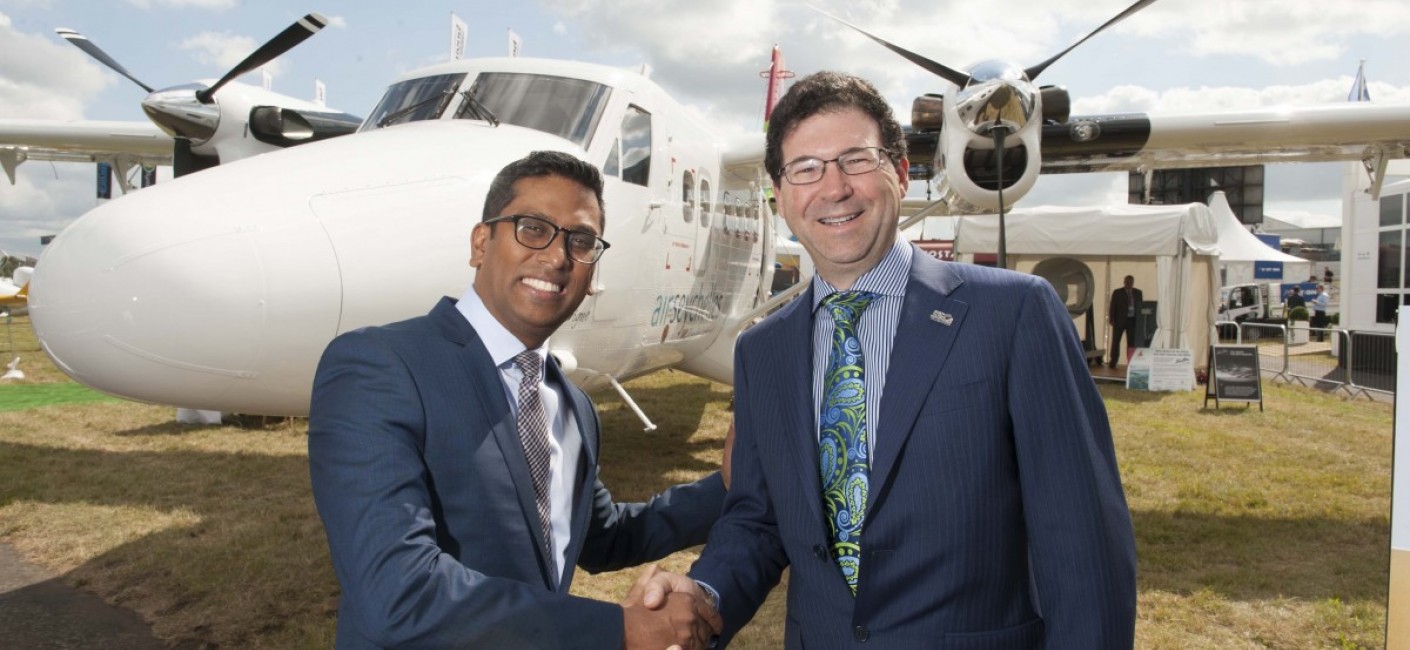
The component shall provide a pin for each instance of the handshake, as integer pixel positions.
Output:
(670, 611)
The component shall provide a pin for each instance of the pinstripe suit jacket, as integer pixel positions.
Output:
(996, 517)
(421, 481)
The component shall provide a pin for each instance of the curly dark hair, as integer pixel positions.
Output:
(829, 91)
(539, 164)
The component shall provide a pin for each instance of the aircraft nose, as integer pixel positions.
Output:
(188, 308)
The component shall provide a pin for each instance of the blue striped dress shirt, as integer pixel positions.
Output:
(876, 331)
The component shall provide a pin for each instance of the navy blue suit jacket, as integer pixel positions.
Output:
(995, 516)
(421, 481)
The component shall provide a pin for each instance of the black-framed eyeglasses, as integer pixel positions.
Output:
(537, 233)
(852, 162)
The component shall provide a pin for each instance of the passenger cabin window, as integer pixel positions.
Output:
(567, 108)
(688, 204)
(706, 205)
(413, 100)
(636, 146)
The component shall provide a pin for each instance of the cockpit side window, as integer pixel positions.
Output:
(567, 108)
(636, 146)
(423, 98)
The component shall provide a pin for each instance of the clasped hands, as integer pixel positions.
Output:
(668, 610)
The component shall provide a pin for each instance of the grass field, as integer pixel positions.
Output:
(1254, 530)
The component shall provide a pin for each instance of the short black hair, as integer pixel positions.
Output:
(539, 164)
(829, 91)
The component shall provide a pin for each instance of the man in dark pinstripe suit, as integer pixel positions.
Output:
(988, 512)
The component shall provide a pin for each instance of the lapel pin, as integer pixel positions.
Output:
(942, 317)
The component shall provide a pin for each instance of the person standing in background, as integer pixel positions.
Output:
(1320, 303)
(1121, 315)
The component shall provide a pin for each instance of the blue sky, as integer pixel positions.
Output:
(1178, 55)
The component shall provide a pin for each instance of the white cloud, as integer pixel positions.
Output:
(336, 21)
(41, 78)
(1284, 33)
(42, 201)
(559, 28)
(1203, 99)
(224, 50)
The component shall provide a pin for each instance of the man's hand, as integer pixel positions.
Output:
(665, 608)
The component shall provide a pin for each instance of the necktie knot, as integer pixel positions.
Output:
(529, 364)
(846, 306)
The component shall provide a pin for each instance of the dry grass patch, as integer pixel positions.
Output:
(1254, 530)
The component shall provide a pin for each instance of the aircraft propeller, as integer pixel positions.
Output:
(994, 100)
(188, 112)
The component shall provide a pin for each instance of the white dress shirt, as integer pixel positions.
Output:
(565, 441)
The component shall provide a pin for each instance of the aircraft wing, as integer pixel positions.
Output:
(82, 141)
(1122, 142)
(743, 155)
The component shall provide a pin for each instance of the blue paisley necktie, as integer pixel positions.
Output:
(842, 434)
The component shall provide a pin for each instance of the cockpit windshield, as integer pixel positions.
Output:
(567, 108)
(423, 98)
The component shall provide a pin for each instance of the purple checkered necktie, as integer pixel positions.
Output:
(533, 434)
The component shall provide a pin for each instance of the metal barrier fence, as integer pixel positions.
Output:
(1360, 363)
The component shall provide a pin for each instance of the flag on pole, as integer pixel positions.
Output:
(266, 80)
(320, 93)
(515, 44)
(1359, 93)
(457, 37)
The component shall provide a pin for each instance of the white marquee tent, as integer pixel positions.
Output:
(1171, 250)
(1240, 250)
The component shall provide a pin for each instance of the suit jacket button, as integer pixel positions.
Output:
(821, 552)
(860, 633)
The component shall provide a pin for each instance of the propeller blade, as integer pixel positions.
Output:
(1036, 70)
(938, 69)
(81, 42)
(285, 41)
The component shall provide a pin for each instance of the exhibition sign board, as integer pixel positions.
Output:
(1161, 370)
(1234, 375)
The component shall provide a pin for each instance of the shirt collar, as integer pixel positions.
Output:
(887, 278)
(502, 345)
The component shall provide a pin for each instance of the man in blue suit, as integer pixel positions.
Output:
(920, 442)
(455, 466)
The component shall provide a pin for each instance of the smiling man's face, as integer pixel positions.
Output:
(532, 292)
(847, 223)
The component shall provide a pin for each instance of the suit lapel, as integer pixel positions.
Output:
(491, 404)
(923, 342)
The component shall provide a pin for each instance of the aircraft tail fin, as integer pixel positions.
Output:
(774, 90)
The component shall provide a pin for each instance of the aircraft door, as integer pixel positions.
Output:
(635, 197)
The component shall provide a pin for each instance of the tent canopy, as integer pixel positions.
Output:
(1236, 243)
(1107, 230)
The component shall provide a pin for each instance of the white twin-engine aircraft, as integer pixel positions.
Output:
(220, 290)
